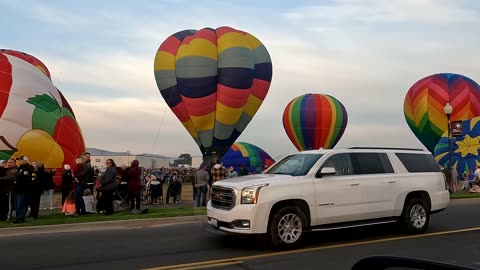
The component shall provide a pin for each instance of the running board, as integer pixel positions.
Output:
(347, 225)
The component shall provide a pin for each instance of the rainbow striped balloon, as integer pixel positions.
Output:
(424, 102)
(214, 81)
(251, 155)
(315, 121)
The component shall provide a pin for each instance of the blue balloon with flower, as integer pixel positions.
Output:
(465, 148)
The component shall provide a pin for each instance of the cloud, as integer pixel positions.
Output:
(379, 11)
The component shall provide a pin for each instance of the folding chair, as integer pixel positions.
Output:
(177, 197)
(120, 197)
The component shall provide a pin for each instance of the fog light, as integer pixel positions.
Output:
(241, 224)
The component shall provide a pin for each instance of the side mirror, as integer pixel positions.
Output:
(326, 171)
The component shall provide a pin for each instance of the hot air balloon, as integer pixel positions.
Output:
(315, 121)
(424, 102)
(214, 81)
(465, 148)
(30, 59)
(252, 156)
(35, 118)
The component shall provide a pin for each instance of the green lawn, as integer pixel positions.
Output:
(53, 219)
(464, 195)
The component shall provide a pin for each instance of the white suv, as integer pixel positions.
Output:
(331, 189)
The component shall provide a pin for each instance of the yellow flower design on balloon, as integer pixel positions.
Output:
(468, 145)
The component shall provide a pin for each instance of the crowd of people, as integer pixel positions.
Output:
(468, 180)
(84, 189)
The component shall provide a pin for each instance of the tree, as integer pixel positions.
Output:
(185, 159)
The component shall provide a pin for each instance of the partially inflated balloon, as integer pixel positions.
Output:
(465, 148)
(214, 81)
(315, 121)
(252, 156)
(35, 118)
(30, 59)
(424, 102)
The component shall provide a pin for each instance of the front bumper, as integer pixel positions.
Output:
(242, 219)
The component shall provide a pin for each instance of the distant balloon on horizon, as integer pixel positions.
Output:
(425, 100)
(314, 121)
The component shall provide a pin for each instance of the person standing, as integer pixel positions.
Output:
(108, 184)
(134, 186)
(22, 188)
(243, 170)
(39, 177)
(48, 187)
(218, 171)
(6, 181)
(67, 182)
(232, 173)
(201, 185)
(81, 179)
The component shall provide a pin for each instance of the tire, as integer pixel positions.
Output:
(287, 227)
(415, 216)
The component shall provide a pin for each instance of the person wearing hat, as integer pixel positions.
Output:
(6, 180)
(22, 188)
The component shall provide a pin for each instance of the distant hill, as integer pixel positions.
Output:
(101, 152)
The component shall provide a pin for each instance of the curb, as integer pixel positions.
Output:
(100, 225)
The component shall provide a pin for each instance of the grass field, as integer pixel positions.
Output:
(56, 218)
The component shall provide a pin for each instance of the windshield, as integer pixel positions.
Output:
(295, 165)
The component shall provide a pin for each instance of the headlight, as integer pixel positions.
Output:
(250, 194)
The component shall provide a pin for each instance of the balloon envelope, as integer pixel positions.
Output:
(424, 102)
(35, 118)
(314, 121)
(30, 59)
(214, 80)
(252, 156)
(465, 148)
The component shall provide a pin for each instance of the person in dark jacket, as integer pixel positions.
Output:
(39, 177)
(108, 184)
(7, 178)
(82, 178)
(67, 182)
(134, 186)
(22, 188)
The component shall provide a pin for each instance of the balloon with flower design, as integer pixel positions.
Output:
(424, 102)
(465, 148)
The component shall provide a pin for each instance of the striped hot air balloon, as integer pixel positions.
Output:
(214, 80)
(252, 156)
(315, 121)
(424, 102)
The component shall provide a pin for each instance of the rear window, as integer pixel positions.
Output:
(371, 163)
(418, 162)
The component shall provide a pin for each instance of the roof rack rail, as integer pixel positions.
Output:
(387, 148)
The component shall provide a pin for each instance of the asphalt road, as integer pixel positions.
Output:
(190, 246)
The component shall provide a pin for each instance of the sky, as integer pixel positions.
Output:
(366, 53)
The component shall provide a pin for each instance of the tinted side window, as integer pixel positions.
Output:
(418, 162)
(371, 163)
(341, 163)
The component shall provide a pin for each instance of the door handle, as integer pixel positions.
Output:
(354, 185)
(391, 182)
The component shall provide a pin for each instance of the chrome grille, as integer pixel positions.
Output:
(223, 198)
